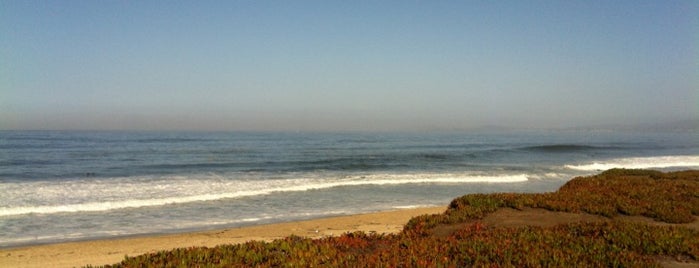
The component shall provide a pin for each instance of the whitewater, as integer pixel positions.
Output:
(63, 186)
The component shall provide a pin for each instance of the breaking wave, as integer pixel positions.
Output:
(640, 163)
(177, 191)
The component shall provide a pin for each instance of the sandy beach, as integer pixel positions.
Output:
(109, 251)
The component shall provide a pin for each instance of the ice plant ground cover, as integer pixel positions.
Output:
(671, 200)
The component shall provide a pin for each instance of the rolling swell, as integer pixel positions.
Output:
(383, 161)
(332, 164)
(564, 148)
(307, 162)
(169, 140)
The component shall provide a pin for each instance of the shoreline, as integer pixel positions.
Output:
(113, 250)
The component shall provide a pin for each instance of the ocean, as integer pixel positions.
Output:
(58, 186)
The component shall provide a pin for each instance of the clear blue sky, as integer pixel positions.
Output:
(346, 65)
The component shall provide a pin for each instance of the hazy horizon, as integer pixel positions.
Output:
(347, 66)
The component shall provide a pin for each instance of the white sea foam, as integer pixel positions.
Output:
(641, 163)
(122, 193)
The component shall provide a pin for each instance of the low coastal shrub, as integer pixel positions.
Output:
(669, 197)
(618, 244)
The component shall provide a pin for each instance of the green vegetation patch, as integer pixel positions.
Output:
(668, 197)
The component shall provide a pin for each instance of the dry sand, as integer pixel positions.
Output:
(101, 252)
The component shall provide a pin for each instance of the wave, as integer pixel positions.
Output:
(640, 163)
(187, 191)
(169, 140)
(562, 148)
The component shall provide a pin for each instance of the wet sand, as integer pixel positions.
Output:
(110, 251)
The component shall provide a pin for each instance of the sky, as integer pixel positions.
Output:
(346, 65)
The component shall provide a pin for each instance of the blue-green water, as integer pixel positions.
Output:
(61, 186)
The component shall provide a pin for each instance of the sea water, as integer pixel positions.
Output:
(67, 185)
